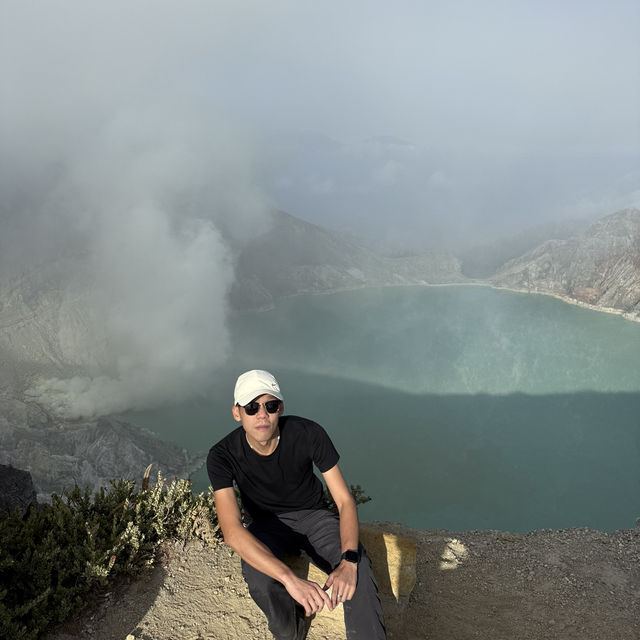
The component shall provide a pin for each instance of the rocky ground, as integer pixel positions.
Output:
(576, 583)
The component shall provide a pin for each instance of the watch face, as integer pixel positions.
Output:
(350, 556)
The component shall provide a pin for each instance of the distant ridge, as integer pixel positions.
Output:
(294, 256)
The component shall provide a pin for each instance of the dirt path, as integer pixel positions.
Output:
(490, 585)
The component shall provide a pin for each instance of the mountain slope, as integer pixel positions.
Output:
(295, 257)
(599, 267)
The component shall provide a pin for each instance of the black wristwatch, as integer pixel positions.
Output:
(350, 556)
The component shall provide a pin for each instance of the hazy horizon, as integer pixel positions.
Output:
(426, 124)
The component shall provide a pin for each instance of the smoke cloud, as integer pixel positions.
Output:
(150, 207)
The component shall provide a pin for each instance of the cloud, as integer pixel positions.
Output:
(623, 194)
(321, 185)
(387, 175)
(438, 180)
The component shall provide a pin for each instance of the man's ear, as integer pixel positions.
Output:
(235, 410)
(281, 408)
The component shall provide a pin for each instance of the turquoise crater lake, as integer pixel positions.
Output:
(454, 407)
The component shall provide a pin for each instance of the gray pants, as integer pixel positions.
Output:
(316, 535)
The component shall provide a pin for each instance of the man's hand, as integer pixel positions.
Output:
(309, 594)
(343, 582)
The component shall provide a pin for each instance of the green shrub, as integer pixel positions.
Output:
(51, 559)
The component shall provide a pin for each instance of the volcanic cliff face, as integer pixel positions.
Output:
(59, 452)
(52, 324)
(599, 267)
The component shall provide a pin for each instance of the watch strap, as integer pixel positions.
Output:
(350, 556)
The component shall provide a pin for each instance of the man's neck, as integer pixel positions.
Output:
(264, 448)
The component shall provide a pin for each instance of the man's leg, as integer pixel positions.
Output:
(285, 620)
(363, 613)
(284, 615)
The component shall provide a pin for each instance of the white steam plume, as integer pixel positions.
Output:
(146, 202)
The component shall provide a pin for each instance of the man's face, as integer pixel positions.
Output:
(262, 426)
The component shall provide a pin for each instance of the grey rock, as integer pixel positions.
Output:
(62, 453)
(16, 489)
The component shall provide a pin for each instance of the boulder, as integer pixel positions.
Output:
(16, 489)
(393, 558)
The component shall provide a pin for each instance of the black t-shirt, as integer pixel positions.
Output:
(282, 481)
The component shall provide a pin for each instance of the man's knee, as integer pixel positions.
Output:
(284, 617)
(257, 581)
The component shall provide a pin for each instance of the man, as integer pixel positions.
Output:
(270, 458)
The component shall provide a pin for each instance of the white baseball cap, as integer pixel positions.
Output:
(254, 383)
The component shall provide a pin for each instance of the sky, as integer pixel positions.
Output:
(413, 125)
(461, 120)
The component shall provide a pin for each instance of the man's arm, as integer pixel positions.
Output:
(345, 576)
(309, 594)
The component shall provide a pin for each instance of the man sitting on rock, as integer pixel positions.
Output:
(270, 458)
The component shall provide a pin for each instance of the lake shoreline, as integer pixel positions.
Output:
(475, 283)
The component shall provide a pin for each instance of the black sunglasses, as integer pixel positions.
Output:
(252, 408)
